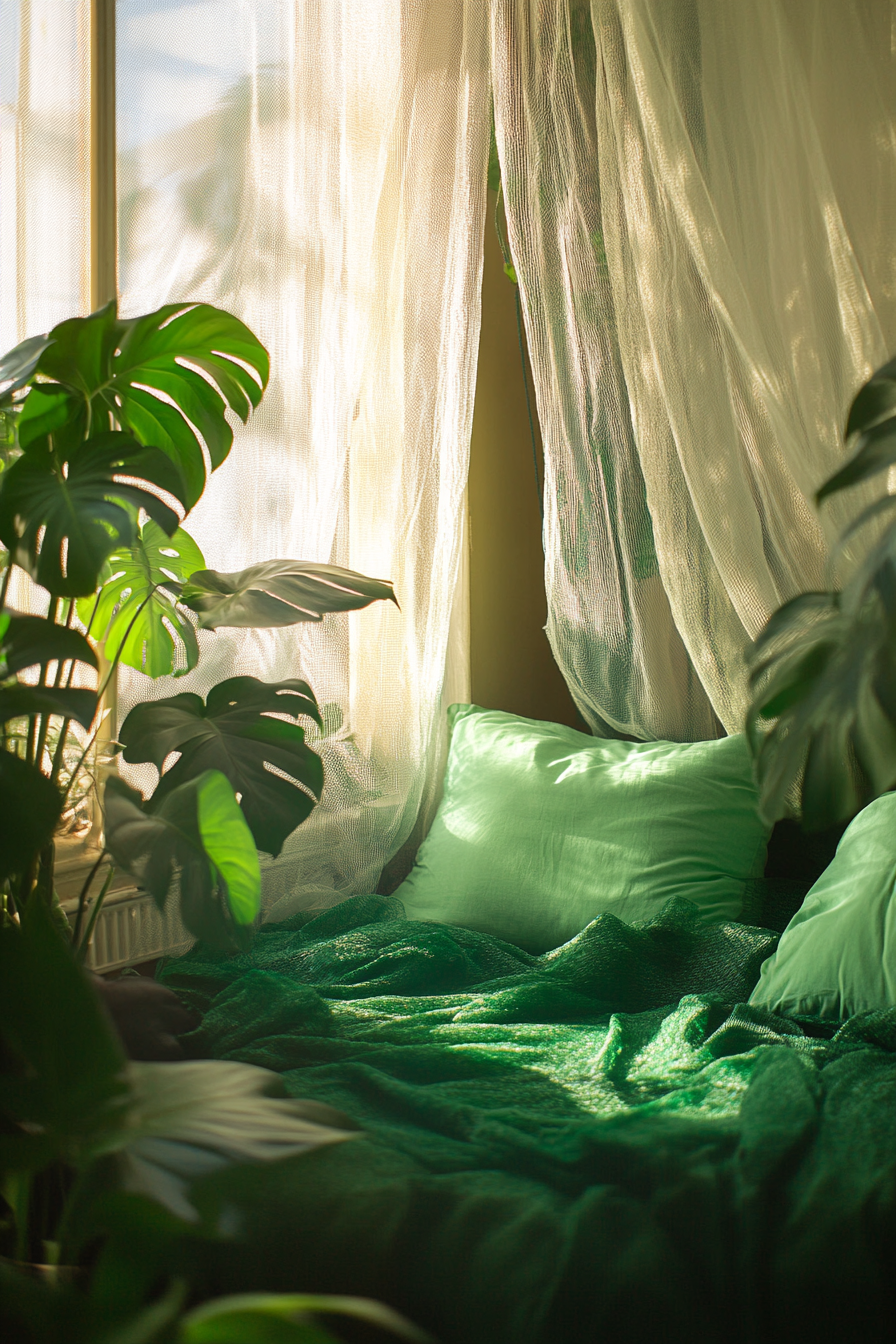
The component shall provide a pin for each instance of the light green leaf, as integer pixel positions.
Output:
(202, 1325)
(229, 844)
(136, 612)
(280, 592)
(197, 840)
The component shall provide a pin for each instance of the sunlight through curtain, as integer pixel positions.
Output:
(319, 170)
(700, 200)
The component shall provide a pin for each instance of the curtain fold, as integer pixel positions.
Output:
(700, 200)
(332, 194)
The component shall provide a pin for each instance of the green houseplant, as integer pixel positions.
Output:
(109, 428)
(822, 720)
(97, 1161)
(105, 429)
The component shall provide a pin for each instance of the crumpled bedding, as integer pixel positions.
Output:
(602, 1143)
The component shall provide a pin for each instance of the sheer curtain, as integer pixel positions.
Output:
(700, 200)
(44, 165)
(320, 171)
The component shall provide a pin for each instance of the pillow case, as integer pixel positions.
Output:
(542, 828)
(837, 955)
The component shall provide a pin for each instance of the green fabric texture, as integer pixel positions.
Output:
(541, 829)
(837, 956)
(604, 1143)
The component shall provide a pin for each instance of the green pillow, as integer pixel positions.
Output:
(837, 955)
(541, 829)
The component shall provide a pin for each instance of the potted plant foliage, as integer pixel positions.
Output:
(107, 427)
(98, 1156)
(822, 722)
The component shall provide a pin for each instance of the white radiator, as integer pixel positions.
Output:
(130, 928)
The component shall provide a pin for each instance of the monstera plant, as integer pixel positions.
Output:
(822, 721)
(108, 428)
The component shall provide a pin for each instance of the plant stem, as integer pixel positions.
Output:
(4, 587)
(82, 899)
(60, 668)
(31, 754)
(83, 946)
(102, 690)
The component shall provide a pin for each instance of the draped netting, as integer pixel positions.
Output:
(700, 200)
(44, 166)
(319, 170)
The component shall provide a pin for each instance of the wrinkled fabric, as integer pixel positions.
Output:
(601, 1143)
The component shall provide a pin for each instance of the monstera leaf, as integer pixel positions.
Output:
(18, 364)
(279, 592)
(195, 837)
(235, 732)
(60, 519)
(167, 378)
(30, 807)
(872, 417)
(32, 641)
(136, 613)
(823, 716)
(68, 702)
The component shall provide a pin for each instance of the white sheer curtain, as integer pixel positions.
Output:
(44, 165)
(701, 197)
(319, 169)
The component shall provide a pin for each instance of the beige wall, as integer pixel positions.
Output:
(512, 666)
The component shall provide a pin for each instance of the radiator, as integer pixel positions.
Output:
(130, 928)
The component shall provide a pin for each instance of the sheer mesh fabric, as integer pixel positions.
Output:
(44, 165)
(323, 176)
(700, 199)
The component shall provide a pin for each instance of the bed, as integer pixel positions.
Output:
(605, 1140)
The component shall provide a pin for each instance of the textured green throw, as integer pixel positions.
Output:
(604, 1143)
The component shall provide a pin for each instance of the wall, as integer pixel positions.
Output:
(512, 666)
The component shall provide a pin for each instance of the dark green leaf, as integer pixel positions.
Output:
(141, 1240)
(134, 369)
(813, 676)
(18, 364)
(69, 703)
(801, 612)
(30, 641)
(874, 402)
(152, 1324)
(279, 592)
(875, 451)
(81, 354)
(61, 1059)
(879, 508)
(159, 639)
(51, 409)
(196, 839)
(235, 732)
(30, 807)
(61, 520)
